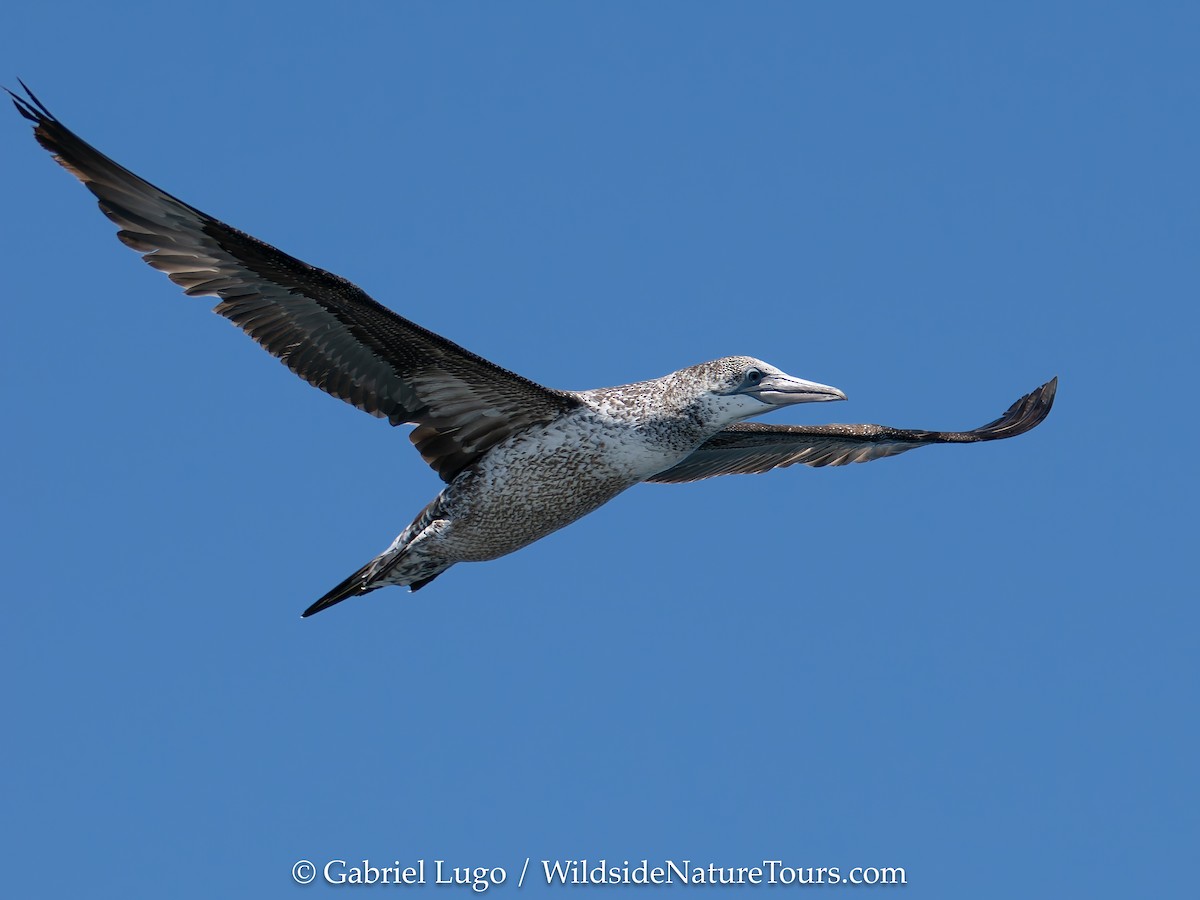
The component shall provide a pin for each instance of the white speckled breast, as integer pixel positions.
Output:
(544, 478)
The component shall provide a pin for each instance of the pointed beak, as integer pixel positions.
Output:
(784, 390)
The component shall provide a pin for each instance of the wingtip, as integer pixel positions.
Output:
(1046, 393)
(21, 104)
(1024, 415)
(29, 106)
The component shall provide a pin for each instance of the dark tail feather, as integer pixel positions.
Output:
(362, 582)
(353, 586)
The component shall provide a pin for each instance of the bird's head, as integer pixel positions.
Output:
(739, 387)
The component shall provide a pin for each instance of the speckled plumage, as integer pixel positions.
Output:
(519, 460)
(547, 476)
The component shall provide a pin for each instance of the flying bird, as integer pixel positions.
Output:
(519, 460)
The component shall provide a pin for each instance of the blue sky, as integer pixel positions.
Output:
(977, 663)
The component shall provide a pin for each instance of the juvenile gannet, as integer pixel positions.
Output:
(519, 460)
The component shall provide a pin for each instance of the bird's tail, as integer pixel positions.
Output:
(353, 586)
(370, 577)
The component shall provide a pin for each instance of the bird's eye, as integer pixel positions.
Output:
(754, 376)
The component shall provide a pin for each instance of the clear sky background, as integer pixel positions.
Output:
(977, 663)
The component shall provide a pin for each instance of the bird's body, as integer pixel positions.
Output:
(549, 475)
(519, 460)
(528, 486)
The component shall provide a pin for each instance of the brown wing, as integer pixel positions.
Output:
(322, 327)
(751, 447)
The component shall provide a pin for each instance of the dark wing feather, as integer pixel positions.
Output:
(321, 326)
(751, 447)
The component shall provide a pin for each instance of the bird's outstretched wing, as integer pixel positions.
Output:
(322, 327)
(751, 447)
